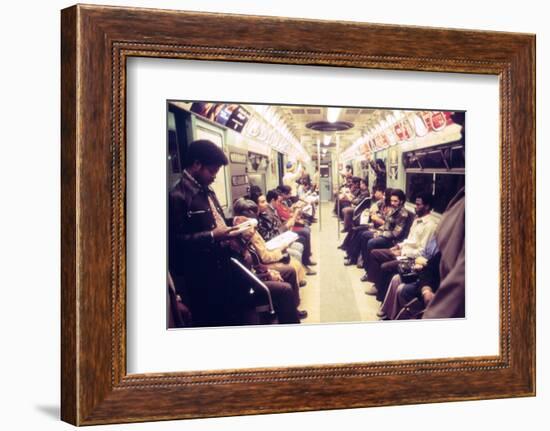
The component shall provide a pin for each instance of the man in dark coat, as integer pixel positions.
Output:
(199, 242)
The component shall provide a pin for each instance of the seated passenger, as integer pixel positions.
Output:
(270, 225)
(383, 263)
(392, 231)
(370, 219)
(283, 288)
(284, 300)
(244, 209)
(398, 294)
(282, 284)
(253, 193)
(292, 215)
(347, 192)
(306, 194)
(288, 202)
(348, 212)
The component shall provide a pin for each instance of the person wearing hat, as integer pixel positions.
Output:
(199, 242)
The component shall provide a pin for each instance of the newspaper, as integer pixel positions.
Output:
(281, 241)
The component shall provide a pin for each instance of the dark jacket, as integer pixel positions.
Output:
(190, 222)
(360, 197)
(193, 254)
(269, 224)
(396, 223)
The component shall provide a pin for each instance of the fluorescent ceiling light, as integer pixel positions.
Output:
(333, 114)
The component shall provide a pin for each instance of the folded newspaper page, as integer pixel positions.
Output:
(281, 241)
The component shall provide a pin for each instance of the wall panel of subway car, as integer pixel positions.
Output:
(312, 214)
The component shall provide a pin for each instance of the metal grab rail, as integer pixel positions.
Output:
(258, 283)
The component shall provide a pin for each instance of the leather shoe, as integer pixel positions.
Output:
(364, 278)
(380, 314)
(348, 262)
(302, 283)
(309, 271)
(371, 290)
(310, 263)
(302, 314)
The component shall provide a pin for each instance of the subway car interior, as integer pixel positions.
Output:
(313, 214)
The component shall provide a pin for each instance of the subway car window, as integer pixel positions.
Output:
(294, 214)
(418, 183)
(446, 187)
(440, 169)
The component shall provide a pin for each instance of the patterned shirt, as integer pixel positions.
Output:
(395, 224)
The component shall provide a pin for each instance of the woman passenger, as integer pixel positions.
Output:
(244, 209)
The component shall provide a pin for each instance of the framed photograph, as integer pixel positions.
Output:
(282, 215)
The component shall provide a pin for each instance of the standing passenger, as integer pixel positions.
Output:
(449, 300)
(198, 242)
(291, 176)
(379, 168)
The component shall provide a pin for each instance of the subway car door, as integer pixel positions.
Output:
(207, 130)
(325, 183)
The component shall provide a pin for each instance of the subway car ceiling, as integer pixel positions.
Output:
(419, 148)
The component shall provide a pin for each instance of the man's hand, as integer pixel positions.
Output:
(427, 295)
(395, 251)
(274, 275)
(223, 232)
(421, 260)
(377, 219)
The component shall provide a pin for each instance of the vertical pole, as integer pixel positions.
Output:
(337, 185)
(319, 185)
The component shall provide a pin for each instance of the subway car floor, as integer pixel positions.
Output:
(336, 293)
